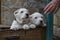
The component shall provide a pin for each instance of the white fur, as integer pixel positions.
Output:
(21, 19)
(15, 25)
(22, 22)
(26, 27)
(36, 18)
(32, 26)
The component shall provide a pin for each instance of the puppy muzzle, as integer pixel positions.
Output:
(27, 15)
(40, 24)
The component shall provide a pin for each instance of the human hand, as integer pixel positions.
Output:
(53, 6)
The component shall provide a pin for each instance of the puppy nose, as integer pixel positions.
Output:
(26, 14)
(41, 21)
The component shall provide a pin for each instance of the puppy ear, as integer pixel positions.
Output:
(15, 12)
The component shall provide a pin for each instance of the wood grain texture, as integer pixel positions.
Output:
(31, 34)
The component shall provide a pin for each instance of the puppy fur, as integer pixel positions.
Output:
(22, 18)
(36, 18)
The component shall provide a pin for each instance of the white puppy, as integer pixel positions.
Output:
(22, 17)
(36, 19)
(15, 25)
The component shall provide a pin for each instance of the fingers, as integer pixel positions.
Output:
(55, 10)
(49, 9)
(47, 6)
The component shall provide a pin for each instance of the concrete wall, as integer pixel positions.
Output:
(7, 9)
(9, 6)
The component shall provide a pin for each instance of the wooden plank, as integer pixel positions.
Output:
(31, 34)
(4, 26)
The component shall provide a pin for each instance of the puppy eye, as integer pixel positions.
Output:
(41, 17)
(35, 17)
(16, 12)
(21, 11)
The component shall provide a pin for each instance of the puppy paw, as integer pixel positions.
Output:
(26, 27)
(13, 28)
(32, 26)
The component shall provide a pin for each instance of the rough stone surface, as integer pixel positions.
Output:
(9, 6)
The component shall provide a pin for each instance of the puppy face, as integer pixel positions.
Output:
(21, 14)
(37, 18)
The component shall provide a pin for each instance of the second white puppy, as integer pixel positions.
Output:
(36, 19)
